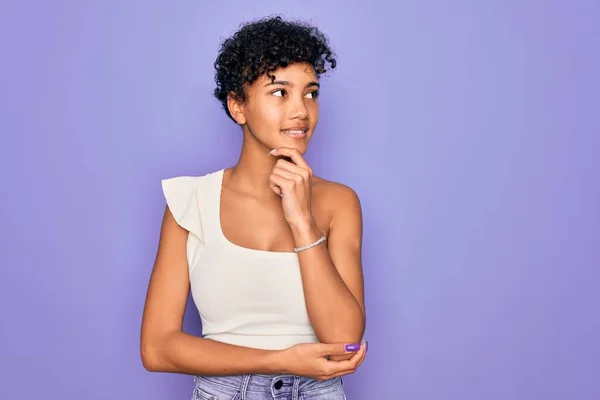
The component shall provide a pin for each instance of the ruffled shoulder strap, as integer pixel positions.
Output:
(182, 194)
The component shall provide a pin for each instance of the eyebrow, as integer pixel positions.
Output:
(287, 83)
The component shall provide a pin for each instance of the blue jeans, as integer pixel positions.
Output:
(266, 387)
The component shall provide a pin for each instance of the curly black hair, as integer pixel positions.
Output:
(262, 46)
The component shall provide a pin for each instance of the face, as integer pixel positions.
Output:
(283, 112)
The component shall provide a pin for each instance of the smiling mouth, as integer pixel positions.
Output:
(297, 132)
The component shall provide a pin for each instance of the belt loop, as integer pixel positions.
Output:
(245, 382)
(295, 389)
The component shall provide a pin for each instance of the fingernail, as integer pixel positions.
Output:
(352, 347)
(272, 151)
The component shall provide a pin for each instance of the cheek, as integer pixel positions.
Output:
(313, 110)
(271, 115)
(260, 115)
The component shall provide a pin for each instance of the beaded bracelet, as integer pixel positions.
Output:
(321, 240)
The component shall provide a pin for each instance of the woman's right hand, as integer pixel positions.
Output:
(309, 360)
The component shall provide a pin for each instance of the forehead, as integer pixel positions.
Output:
(299, 73)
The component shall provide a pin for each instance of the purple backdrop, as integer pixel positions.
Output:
(469, 129)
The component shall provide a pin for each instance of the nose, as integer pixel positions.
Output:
(298, 109)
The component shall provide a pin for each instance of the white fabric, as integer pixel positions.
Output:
(246, 297)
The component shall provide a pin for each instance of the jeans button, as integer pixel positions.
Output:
(278, 384)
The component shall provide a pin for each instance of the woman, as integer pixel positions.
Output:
(271, 252)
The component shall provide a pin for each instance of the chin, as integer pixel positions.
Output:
(299, 144)
(300, 147)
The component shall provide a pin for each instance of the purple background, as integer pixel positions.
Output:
(469, 129)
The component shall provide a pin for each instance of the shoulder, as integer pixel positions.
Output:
(333, 190)
(337, 197)
(344, 211)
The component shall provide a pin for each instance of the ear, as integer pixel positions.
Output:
(236, 109)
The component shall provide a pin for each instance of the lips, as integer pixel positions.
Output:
(298, 130)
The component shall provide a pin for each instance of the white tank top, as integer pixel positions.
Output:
(246, 297)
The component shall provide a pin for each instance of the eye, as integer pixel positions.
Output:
(278, 93)
(313, 95)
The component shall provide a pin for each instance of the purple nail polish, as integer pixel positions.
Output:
(352, 347)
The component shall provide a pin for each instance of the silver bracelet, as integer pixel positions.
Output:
(321, 240)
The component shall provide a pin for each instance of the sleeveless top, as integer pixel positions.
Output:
(246, 297)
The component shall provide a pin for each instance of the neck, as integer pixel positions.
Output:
(251, 173)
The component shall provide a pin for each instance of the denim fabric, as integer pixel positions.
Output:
(266, 387)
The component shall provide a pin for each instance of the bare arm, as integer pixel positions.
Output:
(332, 273)
(332, 276)
(163, 345)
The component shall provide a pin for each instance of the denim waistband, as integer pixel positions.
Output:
(274, 384)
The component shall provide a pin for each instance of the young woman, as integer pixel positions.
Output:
(272, 253)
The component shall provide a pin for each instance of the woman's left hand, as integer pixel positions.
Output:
(292, 181)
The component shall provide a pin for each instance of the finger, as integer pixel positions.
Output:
(275, 188)
(337, 368)
(346, 365)
(284, 184)
(294, 154)
(290, 166)
(340, 368)
(330, 349)
(292, 176)
(363, 356)
(350, 363)
(363, 352)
